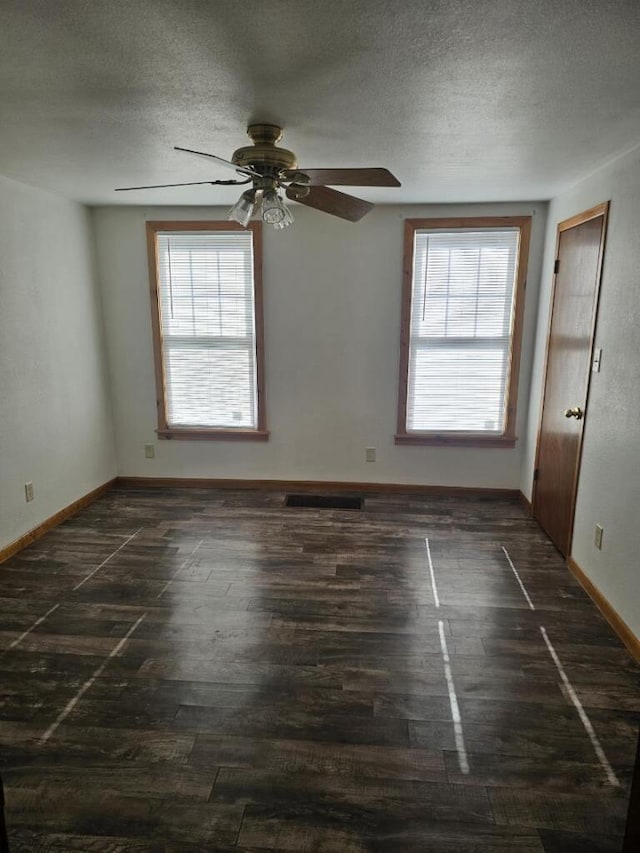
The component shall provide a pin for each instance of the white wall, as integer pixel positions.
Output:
(332, 326)
(55, 423)
(609, 486)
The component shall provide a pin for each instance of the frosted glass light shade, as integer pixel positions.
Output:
(243, 209)
(273, 209)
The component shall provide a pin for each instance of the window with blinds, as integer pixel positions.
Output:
(461, 329)
(208, 332)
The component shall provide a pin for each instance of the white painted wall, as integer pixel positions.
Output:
(332, 321)
(609, 486)
(55, 423)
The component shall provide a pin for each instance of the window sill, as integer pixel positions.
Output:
(203, 434)
(458, 440)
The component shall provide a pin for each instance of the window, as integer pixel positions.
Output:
(207, 325)
(463, 297)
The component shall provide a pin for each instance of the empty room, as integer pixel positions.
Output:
(319, 426)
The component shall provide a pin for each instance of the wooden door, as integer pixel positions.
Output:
(579, 250)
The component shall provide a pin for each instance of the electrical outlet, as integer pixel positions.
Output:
(28, 492)
(370, 454)
(598, 536)
(149, 451)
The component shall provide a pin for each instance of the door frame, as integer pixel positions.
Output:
(594, 212)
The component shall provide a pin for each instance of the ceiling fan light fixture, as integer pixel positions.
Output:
(274, 210)
(244, 208)
(286, 221)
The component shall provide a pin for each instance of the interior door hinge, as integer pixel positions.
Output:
(536, 473)
(556, 266)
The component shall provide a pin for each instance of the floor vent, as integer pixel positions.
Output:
(324, 501)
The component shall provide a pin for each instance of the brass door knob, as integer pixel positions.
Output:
(576, 413)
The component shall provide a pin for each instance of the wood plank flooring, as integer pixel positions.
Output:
(200, 670)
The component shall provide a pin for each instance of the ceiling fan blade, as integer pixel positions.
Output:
(159, 186)
(245, 170)
(347, 177)
(331, 201)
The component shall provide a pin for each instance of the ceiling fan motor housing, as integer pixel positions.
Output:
(264, 155)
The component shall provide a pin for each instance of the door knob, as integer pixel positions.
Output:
(576, 413)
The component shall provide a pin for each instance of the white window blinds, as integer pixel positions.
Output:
(207, 324)
(460, 329)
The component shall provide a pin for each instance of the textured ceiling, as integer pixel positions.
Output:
(464, 100)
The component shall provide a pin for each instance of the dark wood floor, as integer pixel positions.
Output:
(209, 671)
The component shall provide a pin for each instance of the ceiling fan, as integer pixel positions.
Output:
(271, 170)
